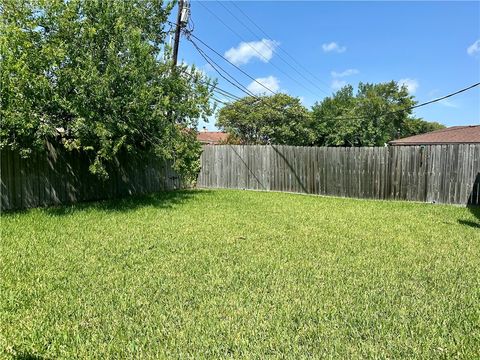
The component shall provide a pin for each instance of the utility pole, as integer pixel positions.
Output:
(182, 20)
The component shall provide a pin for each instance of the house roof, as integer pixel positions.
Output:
(452, 135)
(212, 137)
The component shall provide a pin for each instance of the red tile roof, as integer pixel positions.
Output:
(212, 137)
(452, 135)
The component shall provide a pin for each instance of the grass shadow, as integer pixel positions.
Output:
(475, 210)
(161, 200)
(473, 204)
(28, 356)
(15, 354)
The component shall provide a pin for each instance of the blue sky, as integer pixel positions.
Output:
(434, 47)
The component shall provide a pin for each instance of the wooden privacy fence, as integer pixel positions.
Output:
(61, 177)
(439, 173)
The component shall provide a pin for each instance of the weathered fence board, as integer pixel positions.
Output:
(441, 173)
(59, 177)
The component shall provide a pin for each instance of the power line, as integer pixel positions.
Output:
(233, 97)
(221, 71)
(216, 67)
(189, 34)
(446, 96)
(219, 101)
(253, 48)
(215, 87)
(281, 49)
(273, 49)
(395, 111)
(414, 106)
(364, 117)
(246, 91)
(386, 113)
(236, 67)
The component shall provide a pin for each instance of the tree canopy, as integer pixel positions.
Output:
(95, 75)
(276, 119)
(371, 117)
(418, 126)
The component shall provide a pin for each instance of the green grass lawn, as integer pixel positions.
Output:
(209, 274)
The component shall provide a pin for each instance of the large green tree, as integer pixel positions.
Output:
(374, 115)
(277, 119)
(94, 75)
(418, 126)
(366, 118)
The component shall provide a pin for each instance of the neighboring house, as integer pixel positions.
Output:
(452, 135)
(212, 137)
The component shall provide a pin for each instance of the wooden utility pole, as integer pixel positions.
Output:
(177, 33)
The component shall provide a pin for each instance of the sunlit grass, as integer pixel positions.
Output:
(208, 274)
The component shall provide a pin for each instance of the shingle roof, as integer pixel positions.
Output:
(452, 135)
(211, 137)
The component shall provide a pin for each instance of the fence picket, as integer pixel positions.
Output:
(446, 174)
(58, 177)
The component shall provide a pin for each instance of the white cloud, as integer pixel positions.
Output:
(411, 84)
(474, 48)
(270, 82)
(207, 68)
(338, 84)
(347, 72)
(245, 51)
(448, 103)
(333, 46)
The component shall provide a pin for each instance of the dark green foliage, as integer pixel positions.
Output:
(372, 116)
(95, 76)
(418, 126)
(278, 119)
(368, 118)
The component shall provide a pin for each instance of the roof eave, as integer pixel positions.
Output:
(432, 143)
